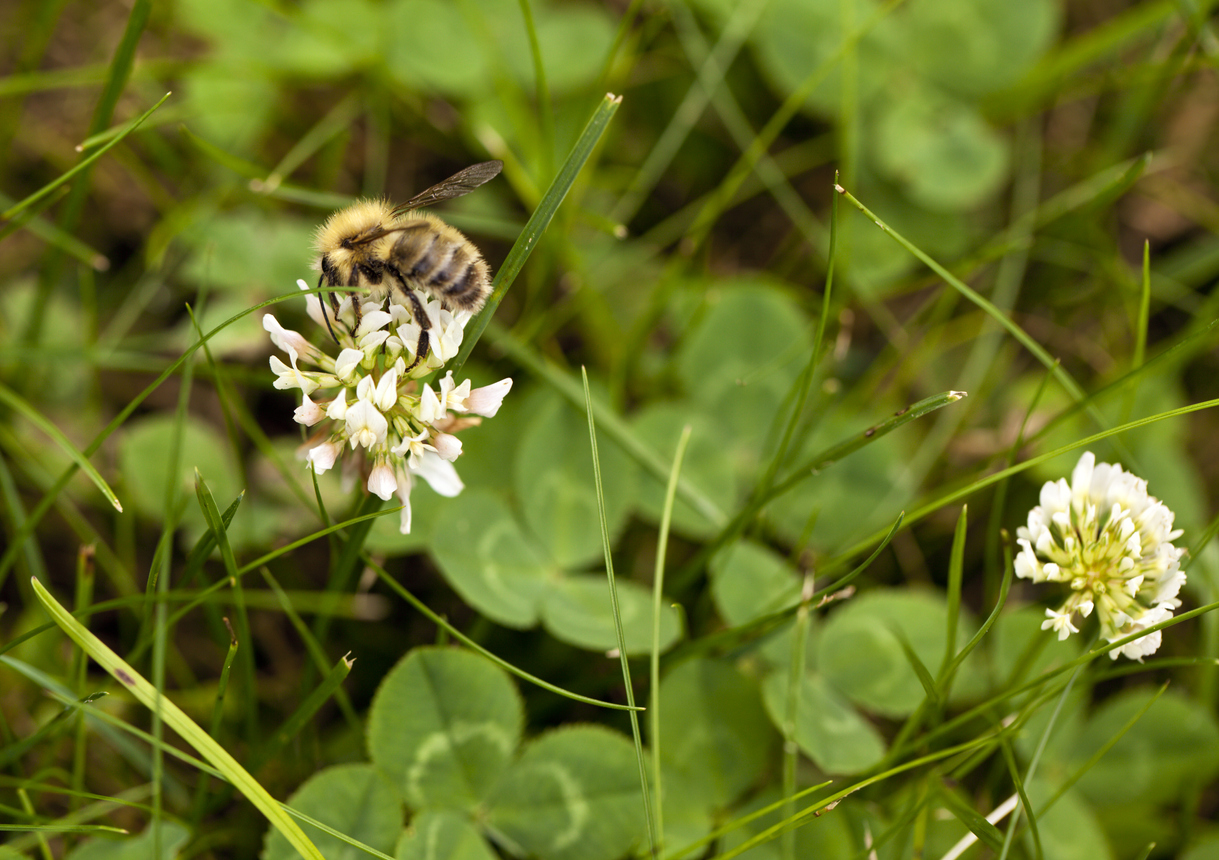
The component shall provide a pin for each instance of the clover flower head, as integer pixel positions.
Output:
(1111, 543)
(366, 401)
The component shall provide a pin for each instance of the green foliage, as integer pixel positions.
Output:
(572, 795)
(173, 839)
(443, 726)
(444, 733)
(716, 740)
(860, 648)
(442, 834)
(1176, 748)
(352, 798)
(690, 250)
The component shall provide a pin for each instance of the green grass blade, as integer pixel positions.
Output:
(710, 77)
(15, 520)
(981, 483)
(537, 224)
(747, 163)
(207, 542)
(18, 404)
(658, 581)
(199, 805)
(176, 719)
(335, 122)
(812, 467)
(726, 641)
(607, 548)
(296, 721)
(52, 493)
(345, 568)
(611, 424)
(956, 570)
(52, 234)
(316, 653)
(443, 624)
(545, 107)
(83, 165)
(215, 523)
(343, 837)
(983, 830)
(63, 828)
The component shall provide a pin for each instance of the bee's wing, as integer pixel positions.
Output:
(460, 183)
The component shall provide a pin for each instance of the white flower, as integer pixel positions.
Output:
(404, 496)
(396, 427)
(455, 396)
(431, 409)
(371, 342)
(322, 457)
(1059, 621)
(366, 426)
(381, 481)
(440, 474)
(347, 362)
(313, 305)
(1112, 542)
(386, 393)
(308, 413)
(337, 410)
(447, 446)
(486, 401)
(412, 448)
(289, 341)
(372, 321)
(291, 377)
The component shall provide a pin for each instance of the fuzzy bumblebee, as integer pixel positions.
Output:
(378, 249)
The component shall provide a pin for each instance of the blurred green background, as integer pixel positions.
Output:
(1034, 148)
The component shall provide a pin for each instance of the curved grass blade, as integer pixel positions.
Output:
(52, 493)
(177, 719)
(982, 483)
(658, 582)
(537, 224)
(304, 712)
(611, 424)
(18, 404)
(64, 828)
(1022, 337)
(414, 601)
(613, 591)
(811, 467)
(736, 637)
(84, 165)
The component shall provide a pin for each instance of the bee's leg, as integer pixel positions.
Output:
(421, 319)
(421, 348)
(356, 309)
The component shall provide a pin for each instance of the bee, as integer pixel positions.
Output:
(376, 248)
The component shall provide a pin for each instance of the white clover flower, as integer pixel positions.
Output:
(366, 426)
(321, 458)
(486, 401)
(308, 413)
(1111, 543)
(371, 405)
(291, 377)
(382, 481)
(447, 446)
(347, 363)
(291, 342)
